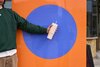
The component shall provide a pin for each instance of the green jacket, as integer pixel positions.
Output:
(9, 23)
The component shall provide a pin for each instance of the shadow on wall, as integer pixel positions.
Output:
(90, 62)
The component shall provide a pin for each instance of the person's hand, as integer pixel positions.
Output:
(48, 29)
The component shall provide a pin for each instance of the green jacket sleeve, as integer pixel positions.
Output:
(29, 27)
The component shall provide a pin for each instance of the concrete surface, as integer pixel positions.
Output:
(97, 59)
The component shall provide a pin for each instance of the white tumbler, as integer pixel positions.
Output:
(52, 31)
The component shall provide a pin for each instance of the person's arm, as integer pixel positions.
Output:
(29, 27)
